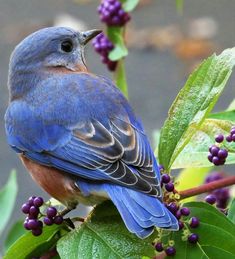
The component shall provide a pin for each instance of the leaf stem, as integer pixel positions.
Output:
(208, 187)
(120, 77)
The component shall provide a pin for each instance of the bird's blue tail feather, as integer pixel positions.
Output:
(140, 212)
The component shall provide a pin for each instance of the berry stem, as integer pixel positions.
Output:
(208, 187)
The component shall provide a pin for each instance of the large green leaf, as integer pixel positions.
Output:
(226, 115)
(193, 104)
(28, 246)
(7, 200)
(216, 235)
(115, 34)
(231, 211)
(16, 231)
(196, 151)
(103, 235)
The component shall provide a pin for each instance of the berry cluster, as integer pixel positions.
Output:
(231, 136)
(217, 155)
(193, 222)
(219, 196)
(179, 213)
(111, 13)
(32, 221)
(103, 46)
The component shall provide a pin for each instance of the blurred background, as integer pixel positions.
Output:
(164, 47)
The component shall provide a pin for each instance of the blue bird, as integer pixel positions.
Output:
(76, 133)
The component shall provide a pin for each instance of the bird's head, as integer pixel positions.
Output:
(53, 47)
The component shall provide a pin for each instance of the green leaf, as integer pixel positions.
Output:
(227, 115)
(195, 152)
(103, 235)
(231, 211)
(193, 104)
(28, 246)
(191, 177)
(129, 5)
(16, 231)
(7, 199)
(115, 34)
(216, 235)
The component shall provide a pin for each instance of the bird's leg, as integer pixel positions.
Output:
(65, 211)
(69, 208)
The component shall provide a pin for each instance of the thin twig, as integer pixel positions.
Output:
(208, 187)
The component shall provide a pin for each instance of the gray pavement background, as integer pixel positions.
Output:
(154, 77)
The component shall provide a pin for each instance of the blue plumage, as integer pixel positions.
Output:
(81, 124)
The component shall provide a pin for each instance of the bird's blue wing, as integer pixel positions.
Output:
(120, 154)
(113, 149)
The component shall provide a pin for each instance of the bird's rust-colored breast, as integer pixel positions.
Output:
(55, 182)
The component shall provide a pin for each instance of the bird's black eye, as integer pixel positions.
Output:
(67, 46)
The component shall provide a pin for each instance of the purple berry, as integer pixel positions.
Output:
(222, 194)
(232, 131)
(26, 226)
(32, 224)
(216, 160)
(37, 231)
(169, 187)
(166, 178)
(185, 211)
(193, 238)
(219, 138)
(210, 157)
(233, 137)
(214, 150)
(51, 212)
(25, 208)
(194, 222)
(48, 221)
(173, 207)
(30, 200)
(159, 247)
(178, 214)
(34, 211)
(38, 201)
(170, 251)
(211, 199)
(223, 153)
(58, 220)
(229, 138)
(181, 225)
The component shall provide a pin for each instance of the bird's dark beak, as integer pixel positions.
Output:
(88, 35)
